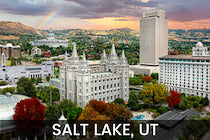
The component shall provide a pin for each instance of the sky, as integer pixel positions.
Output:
(103, 14)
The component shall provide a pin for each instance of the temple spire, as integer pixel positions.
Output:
(74, 53)
(113, 50)
(104, 53)
(84, 57)
(66, 55)
(123, 54)
(3, 60)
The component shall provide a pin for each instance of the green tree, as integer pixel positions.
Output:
(133, 101)
(25, 87)
(53, 112)
(3, 83)
(119, 101)
(154, 76)
(73, 113)
(8, 89)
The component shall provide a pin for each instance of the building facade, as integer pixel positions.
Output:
(12, 73)
(188, 74)
(80, 83)
(153, 37)
(51, 41)
(36, 51)
(9, 50)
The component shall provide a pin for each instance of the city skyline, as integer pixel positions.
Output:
(104, 15)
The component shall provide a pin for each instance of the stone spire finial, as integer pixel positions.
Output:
(84, 57)
(74, 53)
(3, 60)
(66, 55)
(123, 54)
(113, 49)
(104, 53)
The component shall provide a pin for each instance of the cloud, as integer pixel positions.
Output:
(176, 10)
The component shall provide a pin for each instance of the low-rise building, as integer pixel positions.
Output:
(36, 51)
(12, 73)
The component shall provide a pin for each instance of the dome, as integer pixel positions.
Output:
(199, 44)
(8, 103)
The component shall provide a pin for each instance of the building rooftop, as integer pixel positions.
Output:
(186, 56)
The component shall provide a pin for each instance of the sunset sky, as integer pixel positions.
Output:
(103, 14)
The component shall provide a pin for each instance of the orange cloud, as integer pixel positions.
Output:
(107, 23)
(133, 23)
(196, 24)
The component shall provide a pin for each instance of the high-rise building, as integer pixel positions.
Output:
(188, 74)
(80, 83)
(9, 50)
(153, 37)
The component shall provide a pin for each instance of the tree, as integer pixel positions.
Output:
(204, 101)
(154, 93)
(147, 79)
(154, 76)
(133, 101)
(119, 101)
(53, 112)
(173, 99)
(26, 87)
(74, 113)
(65, 105)
(8, 89)
(3, 83)
(112, 111)
(29, 114)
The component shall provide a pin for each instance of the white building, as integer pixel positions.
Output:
(35, 51)
(153, 42)
(50, 41)
(153, 37)
(80, 83)
(12, 73)
(187, 73)
(199, 50)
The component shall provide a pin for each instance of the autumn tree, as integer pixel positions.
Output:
(154, 93)
(147, 79)
(173, 99)
(29, 114)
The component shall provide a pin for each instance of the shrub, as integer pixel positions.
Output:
(3, 83)
(162, 110)
(147, 79)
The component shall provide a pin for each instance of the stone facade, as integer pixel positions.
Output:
(50, 41)
(9, 50)
(12, 73)
(80, 83)
(153, 37)
(186, 73)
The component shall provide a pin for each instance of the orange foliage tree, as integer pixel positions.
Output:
(147, 79)
(173, 99)
(99, 110)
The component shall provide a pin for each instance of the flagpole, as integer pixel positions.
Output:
(50, 94)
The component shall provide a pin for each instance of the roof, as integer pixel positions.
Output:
(54, 79)
(8, 103)
(171, 118)
(189, 57)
